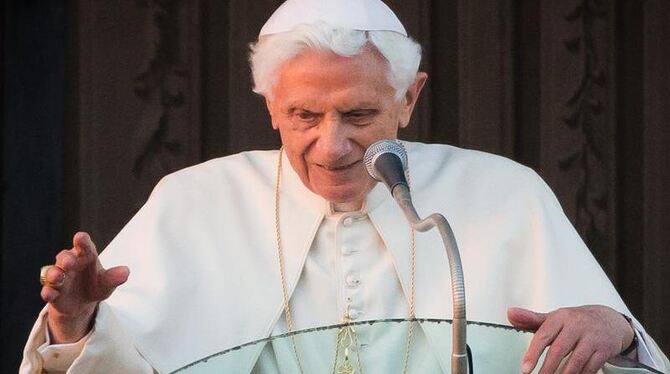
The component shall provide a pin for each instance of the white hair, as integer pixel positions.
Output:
(402, 54)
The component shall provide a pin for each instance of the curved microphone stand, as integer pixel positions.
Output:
(391, 172)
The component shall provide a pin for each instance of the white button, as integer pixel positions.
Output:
(354, 313)
(352, 281)
(348, 221)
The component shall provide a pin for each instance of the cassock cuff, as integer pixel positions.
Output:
(59, 357)
(644, 355)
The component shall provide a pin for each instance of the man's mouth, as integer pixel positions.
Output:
(338, 167)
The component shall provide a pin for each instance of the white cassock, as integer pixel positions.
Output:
(204, 273)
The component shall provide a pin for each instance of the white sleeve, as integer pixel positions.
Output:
(106, 349)
(59, 357)
(648, 354)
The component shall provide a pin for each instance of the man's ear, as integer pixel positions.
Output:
(269, 105)
(411, 97)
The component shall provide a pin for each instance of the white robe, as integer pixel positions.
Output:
(204, 274)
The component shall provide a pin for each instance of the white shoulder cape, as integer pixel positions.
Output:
(204, 273)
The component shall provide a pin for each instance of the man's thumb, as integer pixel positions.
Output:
(115, 276)
(525, 319)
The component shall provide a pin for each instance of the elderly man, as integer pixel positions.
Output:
(261, 243)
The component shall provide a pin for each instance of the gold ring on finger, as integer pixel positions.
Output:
(43, 275)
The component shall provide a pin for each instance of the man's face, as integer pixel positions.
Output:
(328, 110)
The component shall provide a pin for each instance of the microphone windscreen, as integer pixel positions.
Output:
(379, 148)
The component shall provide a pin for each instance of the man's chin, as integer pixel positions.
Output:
(342, 195)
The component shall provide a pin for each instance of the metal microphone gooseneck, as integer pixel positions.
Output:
(385, 161)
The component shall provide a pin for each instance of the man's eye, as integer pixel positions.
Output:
(360, 116)
(305, 115)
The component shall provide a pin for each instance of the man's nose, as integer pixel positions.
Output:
(334, 142)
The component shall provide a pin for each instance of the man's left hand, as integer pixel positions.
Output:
(590, 334)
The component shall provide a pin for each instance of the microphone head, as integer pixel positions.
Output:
(379, 148)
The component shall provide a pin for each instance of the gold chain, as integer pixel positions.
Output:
(412, 291)
(280, 255)
(346, 336)
(346, 332)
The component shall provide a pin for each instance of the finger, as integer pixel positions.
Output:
(83, 245)
(84, 251)
(579, 358)
(595, 363)
(114, 277)
(66, 260)
(54, 277)
(560, 348)
(49, 294)
(525, 319)
(542, 338)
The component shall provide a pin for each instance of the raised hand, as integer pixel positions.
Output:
(590, 334)
(74, 286)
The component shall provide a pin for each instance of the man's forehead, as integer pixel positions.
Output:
(348, 104)
(365, 15)
(313, 74)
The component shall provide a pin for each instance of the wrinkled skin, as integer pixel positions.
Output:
(328, 110)
(590, 334)
(75, 286)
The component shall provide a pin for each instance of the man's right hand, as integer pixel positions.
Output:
(75, 286)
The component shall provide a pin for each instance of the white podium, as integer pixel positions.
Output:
(495, 349)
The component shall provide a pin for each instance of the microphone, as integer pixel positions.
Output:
(386, 161)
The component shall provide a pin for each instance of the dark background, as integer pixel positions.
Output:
(101, 98)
